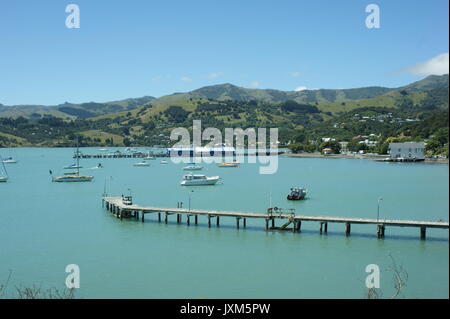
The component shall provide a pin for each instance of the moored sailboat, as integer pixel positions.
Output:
(73, 176)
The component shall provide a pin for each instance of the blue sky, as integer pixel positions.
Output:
(135, 48)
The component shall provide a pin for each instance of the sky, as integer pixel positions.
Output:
(136, 48)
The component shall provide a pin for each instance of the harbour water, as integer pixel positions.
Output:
(45, 226)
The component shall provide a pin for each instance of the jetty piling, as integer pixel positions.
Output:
(119, 209)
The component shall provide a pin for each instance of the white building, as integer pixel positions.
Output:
(407, 150)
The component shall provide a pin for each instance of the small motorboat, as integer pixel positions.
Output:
(3, 179)
(143, 163)
(199, 180)
(297, 193)
(163, 162)
(229, 164)
(9, 160)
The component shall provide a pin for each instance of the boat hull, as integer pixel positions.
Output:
(298, 197)
(193, 168)
(228, 164)
(72, 179)
(3, 179)
(203, 182)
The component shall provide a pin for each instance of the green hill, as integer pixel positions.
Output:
(148, 121)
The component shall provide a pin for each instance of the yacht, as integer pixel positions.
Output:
(229, 164)
(73, 166)
(142, 163)
(199, 180)
(73, 178)
(75, 175)
(9, 160)
(193, 167)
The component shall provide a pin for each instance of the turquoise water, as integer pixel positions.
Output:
(45, 226)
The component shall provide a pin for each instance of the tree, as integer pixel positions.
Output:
(334, 145)
(126, 141)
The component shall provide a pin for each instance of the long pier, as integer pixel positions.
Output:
(122, 207)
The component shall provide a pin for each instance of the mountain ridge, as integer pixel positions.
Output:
(219, 92)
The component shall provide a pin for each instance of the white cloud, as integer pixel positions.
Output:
(295, 74)
(255, 84)
(186, 79)
(300, 88)
(214, 75)
(437, 66)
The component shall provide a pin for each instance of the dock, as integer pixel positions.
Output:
(123, 207)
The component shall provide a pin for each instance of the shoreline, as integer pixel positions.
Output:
(358, 156)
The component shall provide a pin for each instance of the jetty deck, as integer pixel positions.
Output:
(122, 207)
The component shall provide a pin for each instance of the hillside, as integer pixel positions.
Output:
(148, 121)
(70, 111)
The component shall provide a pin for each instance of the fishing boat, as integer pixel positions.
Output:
(297, 193)
(9, 160)
(73, 176)
(199, 180)
(4, 178)
(229, 164)
(142, 163)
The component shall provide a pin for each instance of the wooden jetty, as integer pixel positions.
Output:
(123, 207)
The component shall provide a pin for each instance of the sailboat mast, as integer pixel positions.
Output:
(78, 158)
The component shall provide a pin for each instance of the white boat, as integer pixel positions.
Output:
(163, 162)
(103, 150)
(73, 166)
(199, 180)
(143, 163)
(229, 164)
(73, 176)
(9, 160)
(193, 168)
